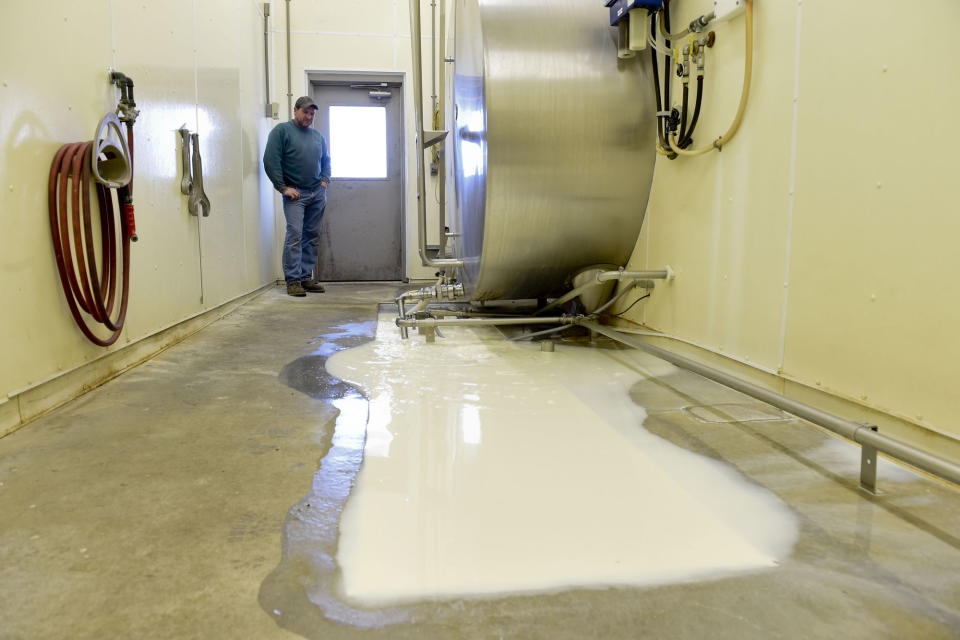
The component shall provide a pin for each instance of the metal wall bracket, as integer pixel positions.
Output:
(431, 138)
(868, 465)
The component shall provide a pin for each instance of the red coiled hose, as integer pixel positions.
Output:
(91, 296)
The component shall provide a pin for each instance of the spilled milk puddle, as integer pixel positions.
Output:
(490, 468)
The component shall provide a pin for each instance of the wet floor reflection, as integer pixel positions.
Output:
(302, 593)
(308, 374)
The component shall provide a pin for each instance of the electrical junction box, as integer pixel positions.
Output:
(726, 9)
(620, 9)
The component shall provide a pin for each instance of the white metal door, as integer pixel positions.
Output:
(361, 234)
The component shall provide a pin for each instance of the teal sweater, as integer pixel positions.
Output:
(296, 157)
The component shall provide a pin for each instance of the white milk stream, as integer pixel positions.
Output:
(493, 468)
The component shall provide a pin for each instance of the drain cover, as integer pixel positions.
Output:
(756, 412)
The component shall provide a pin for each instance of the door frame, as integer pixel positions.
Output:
(318, 78)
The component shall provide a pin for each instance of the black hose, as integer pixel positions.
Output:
(668, 67)
(656, 84)
(617, 315)
(683, 112)
(688, 140)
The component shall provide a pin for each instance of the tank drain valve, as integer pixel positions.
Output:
(436, 292)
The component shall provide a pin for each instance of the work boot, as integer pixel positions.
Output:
(296, 289)
(312, 286)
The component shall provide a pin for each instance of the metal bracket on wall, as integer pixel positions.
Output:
(431, 138)
(868, 464)
(198, 199)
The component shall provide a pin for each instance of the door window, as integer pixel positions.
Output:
(358, 142)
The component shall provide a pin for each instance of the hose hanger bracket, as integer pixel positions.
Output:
(110, 163)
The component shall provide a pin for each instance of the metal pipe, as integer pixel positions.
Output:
(442, 126)
(289, 80)
(605, 276)
(536, 334)
(418, 117)
(433, 54)
(479, 322)
(469, 314)
(661, 274)
(266, 56)
(859, 433)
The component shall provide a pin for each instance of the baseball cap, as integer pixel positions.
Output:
(305, 101)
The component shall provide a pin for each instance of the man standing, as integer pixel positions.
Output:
(298, 164)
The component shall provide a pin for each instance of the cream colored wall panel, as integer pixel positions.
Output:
(338, 52)
(165, 262)
(222, 234)
(258, 215)
(43, 107)
(336, 16)
(873, 302)
(721, 219)
(59, 97)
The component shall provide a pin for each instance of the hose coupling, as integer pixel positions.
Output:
(699, 24)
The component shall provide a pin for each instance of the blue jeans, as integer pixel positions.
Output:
(303, 233)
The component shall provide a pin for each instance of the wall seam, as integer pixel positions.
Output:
(196, 115)
(243, 164)
(113, 37)
(791, 193)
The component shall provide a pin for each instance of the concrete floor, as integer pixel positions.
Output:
(165, 504)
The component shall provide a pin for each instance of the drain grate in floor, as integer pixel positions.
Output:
(717, 413)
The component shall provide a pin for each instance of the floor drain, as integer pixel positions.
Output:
(723, 413)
